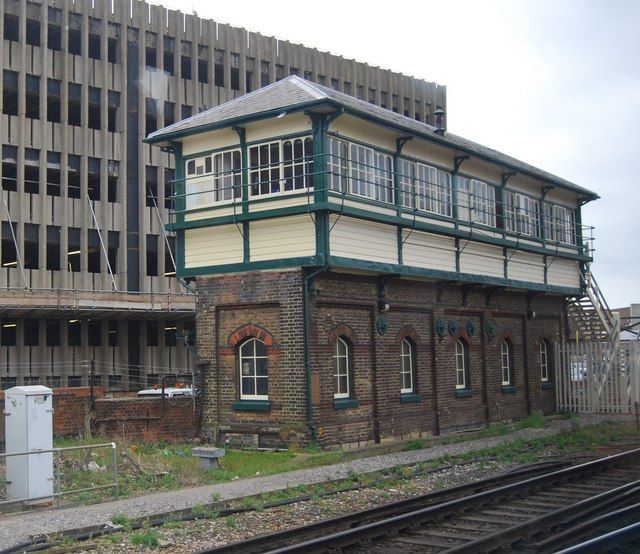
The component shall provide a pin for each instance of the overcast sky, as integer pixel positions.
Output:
(555, 83)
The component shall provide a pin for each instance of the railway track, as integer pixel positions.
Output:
(527, 512)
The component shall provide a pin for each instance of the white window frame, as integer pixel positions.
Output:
(252, 360)
(406, 366)
(276, 184)
(337, 373)
(544, 361)
(565, 224)
(506, 362)
(482, 202)
(338, 165)
(433, 190)
(461, 364)
(407, 184)
(204, 183)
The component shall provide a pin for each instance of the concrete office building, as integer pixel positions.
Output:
(85, 267)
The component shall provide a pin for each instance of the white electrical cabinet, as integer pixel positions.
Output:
(29, 428)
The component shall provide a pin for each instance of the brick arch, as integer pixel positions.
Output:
(461, 334)
(343, 330)
(505, 335)
(408, 332)
(250, 330)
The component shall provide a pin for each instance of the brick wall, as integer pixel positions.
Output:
(130, 418)
(233, 307)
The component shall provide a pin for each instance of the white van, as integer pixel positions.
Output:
(169, 392)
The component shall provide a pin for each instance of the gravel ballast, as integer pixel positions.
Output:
(18, 528)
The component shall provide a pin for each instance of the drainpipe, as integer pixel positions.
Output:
(307, 346)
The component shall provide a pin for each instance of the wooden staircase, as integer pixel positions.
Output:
(592, 316)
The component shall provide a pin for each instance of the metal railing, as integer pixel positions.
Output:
(58, 493)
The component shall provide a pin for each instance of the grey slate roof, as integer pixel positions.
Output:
(296, 93)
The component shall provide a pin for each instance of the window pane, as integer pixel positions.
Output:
(261, 366)
(262, 386)
(248, 385)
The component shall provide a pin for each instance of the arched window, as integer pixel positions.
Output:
(253, 370)
(461, 364)
(407, 366)
(545, 373)
(507, 363)
(341, 369)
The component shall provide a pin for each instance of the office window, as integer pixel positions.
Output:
(31, 170)
(308, 75)
(294, 71)
(234, 60)
(151, 58)
(112, 42)
(11, 26)
(33, 32)
(74, 333)
(335, 84)
(185, 59)
(113, 333)
(169, 257)
(53, 174)
(93, 178)
(394, 103)
(113, 174)
(169, 113)
(264, 73)
(152, 255)
(152, 333)
(74, 115)
(506, 357)
(372, 96)
(31, 246)
(32, 97)
(54, 104)
(218, 68)
(113, 104)
(95, 109)
(9, 167)
(52, 332)
(9, 253)
(203, 64)
(75, 34)
(54, 30)
(31, 332)
(95, 31)
(462, 360)
(73, 249)
(168, 64)
(250, 64)
(94, 329)
(169, 187)
(359, 92)
(53, 248)
(252, 366)
(9, 92)
(151, 115)
(279, 72)
(93, 251)
(170, 334)
(416, 110)
(185, 111)
(347, 87)
(8, 332)
(73, 176)
(151, 189)
(113, 244)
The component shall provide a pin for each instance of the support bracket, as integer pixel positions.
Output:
(457, 162)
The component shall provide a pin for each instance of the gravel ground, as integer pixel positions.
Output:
(195, 536)
(17, 528)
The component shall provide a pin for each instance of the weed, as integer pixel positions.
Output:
(416, 444)
(122, 520)
(215, 496)
(536, 419)
(146, 537)
(231, 522)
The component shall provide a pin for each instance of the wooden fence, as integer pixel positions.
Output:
(593, 377)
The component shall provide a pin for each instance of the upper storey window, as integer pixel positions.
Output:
(476, 201)
(425, 188)
(563, 224)
(360, 170)
(521, 214)
(281, 166)
(214, 178)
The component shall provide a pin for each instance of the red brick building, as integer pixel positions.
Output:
(362, 276)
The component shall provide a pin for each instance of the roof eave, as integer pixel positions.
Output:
(166, 139)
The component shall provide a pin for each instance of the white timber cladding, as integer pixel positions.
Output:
(564, 273)
(363, 240)
(523, 266)
(430, 251)
(284, 237)
(212, 246)
(481, 259)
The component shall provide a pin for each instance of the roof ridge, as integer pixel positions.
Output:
(307, 86)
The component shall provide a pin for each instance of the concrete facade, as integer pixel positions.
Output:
(83, 83)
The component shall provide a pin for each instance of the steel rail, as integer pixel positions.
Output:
(398, 523)
(281, 538)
